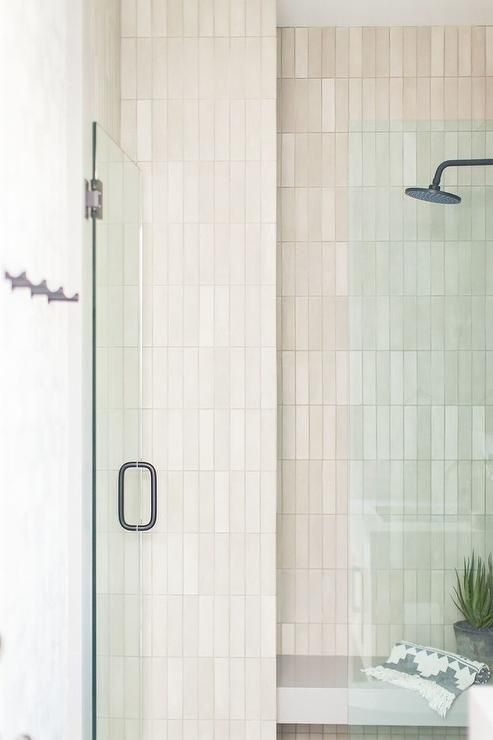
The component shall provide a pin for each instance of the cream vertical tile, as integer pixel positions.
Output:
(423, 67)
(451, 101)
(159, 68)
(253, 69)
(369, 102)
(253, 17)
(356, 101)
(437, 51)
(437, 99)
(328, 105)
(238, 70)
(129, 127)
(174, 19)
(482, 107)
(478, 51)
(301, 53)
(269, 67)
(409, 99)
(342, 105)
(190, 69)
(382, 102)
(129, 18)
(144, 130)
(287, 52)
(301, 107)
(328, 52)
(489, 51)
(144, 18)
(369, 52)
(191, 19)
(382, 52)
(221, 18)
(315, 52)
(159, 126)
(269, 19)
(237, 18)
(206, 17)
(129, 69)
(465, 51)
(175, 68)
(159, 19)
(206, 69)
(342, 52)
(409, 55)
(451, 56)
(333, 159)
(355, 52)
(396, 99)
(396, 58)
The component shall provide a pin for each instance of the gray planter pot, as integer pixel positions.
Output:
(474, 643)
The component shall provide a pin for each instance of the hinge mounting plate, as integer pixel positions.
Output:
(94, 199)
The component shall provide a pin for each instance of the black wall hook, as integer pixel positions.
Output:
(22, 281)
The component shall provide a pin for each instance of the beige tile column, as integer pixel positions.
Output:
(198, 114)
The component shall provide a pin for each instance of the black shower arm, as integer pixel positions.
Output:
(457, 163)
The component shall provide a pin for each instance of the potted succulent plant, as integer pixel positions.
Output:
(474, 599)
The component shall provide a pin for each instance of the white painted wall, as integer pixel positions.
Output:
(384, 12)
(40, 371)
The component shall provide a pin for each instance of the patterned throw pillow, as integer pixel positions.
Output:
(437, 675)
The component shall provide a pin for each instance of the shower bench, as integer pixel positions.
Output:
(314, 690)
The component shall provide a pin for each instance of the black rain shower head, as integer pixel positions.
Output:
(433, 194)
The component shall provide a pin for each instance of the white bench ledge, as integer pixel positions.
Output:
(333, 691)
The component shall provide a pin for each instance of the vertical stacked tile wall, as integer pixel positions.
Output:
(198, 115)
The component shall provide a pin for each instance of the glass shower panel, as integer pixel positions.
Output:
(419, 413)
(117, 440)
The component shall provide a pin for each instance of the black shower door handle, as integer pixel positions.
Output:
(121, 497)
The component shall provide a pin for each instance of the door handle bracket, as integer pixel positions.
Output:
(121, 496)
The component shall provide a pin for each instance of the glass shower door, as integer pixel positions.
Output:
(419, 437)
(124, 489)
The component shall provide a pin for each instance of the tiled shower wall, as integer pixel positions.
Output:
(420, 423)
(198, 114)
(336, 86)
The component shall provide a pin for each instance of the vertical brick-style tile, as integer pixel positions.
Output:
(423, 52)
(355, 52)
(382, 52)
(489, 51)
(478, 51)
(342, 52)
(328, 52)
(315, 53)
(369, 52)
(437, 51)
(301, 52)
(409, 54)
(287, 51)
(465, 52)
(451, 53)
(396, 54)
